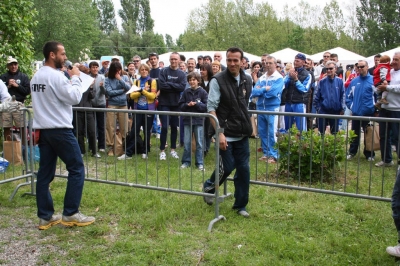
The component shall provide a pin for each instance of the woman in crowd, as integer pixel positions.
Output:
(206, 74)
(256, 73)
(116, 86)
(216, 67)
(143, 100)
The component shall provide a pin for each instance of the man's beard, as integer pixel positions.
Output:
(59, 63)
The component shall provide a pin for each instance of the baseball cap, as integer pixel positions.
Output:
(11, 59)
(300, 56)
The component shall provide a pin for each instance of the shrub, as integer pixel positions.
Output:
(309, 155)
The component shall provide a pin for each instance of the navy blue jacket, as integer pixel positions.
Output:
(329, 97)
(198, 95)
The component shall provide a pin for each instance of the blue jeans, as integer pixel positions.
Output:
(267, 127)
(236, 156)
(61, 143)
(198, 135)
(172, 121)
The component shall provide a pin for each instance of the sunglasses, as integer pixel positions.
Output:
(360, 67)
(330, 68)
(326, 55)
(135, 61)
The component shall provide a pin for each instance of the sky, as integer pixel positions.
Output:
(170, 16)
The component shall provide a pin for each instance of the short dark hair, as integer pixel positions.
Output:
(93, 63)
(49, 47)
(195, 75)
(334, 56)
(153, 54)
(257, 63)
(114, 68)
(182, 57)
(377, 56)
(235, 50)
(207, 56)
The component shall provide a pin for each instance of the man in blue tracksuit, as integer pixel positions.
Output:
(329, 98)
(297, 92)
(267, 95)
(360, 99)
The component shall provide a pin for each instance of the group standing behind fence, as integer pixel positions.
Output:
(324, 88)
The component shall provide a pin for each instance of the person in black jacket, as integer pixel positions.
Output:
(18, 85)
(228, 98)
(84, 120)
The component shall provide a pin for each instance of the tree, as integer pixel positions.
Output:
(135, 14)
(74, 24)
(17, 20)
(106, 16)
(379, 25)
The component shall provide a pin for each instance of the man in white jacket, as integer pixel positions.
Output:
(52, 98)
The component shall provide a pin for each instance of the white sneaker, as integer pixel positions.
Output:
(349, 157)
(163, 156)
(383, 164)
(124, 157)
(102, 150)
(201, 167)
(370, 159)
(185, 165)
(174, 154)
(144, 156)
(394, 251)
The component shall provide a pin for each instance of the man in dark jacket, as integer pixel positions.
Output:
(228, 98)
(18, 85)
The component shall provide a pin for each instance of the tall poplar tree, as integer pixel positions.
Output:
(379, 25)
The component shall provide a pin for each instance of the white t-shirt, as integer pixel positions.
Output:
(52, 98)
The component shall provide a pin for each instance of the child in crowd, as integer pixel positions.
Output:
(193, 100)
(382, 76)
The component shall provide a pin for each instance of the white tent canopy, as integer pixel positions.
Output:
(286, 55)
(346, 57)
(390, 53)
(194, 54)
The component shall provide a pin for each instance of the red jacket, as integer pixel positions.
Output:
(377, 74)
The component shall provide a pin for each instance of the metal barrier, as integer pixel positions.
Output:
(18, 168)
(356, 178)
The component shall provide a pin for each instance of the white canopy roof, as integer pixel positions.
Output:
(286, 55)
(390, 53)
(194, 54)
(346, 57)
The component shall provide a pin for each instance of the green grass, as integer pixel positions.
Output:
(144, 227)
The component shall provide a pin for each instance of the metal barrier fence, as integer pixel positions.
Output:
(16, 145)
(320, 164)
(333, 174)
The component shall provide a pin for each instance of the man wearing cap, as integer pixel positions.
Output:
(199, 62)
(18, 85)
(296, 94)
(104, 67)
(155, 70)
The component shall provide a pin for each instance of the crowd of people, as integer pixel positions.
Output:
(197, 85)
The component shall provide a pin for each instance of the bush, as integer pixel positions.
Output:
(309, 155)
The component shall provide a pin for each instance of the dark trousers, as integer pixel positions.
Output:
(356, 126)
(85, 127)
(146, 122)
(61, 143)
(236, 157)
(167, 120)
(100, 125)
(387, 139)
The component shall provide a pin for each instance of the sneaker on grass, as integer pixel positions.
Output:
(124, 157)
(394, 251)
(44, 224)
(185, 165)
(174, 154)
(77, 219)
(243, 213)
(383, 164)
(163, 156)
(201, 167)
